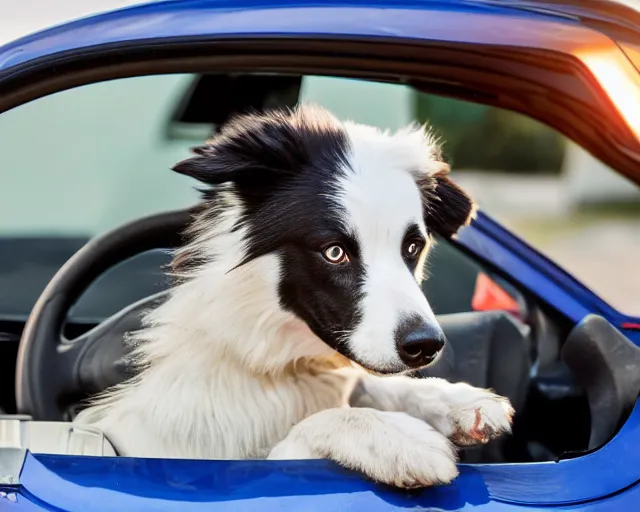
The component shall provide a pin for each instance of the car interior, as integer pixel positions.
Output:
(567, 382)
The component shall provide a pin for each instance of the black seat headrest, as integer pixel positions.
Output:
(607, 365)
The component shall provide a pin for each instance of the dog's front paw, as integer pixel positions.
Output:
(463, 413)
(481, 418)
(391, 448)
(411, 454)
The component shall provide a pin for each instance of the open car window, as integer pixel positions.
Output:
(121, 138)
(546, 190)
(543, 188)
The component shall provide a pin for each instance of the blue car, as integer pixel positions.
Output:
(94, 111)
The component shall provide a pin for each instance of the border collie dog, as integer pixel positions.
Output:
(297, 294)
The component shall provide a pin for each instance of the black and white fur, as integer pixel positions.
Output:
(269, 328)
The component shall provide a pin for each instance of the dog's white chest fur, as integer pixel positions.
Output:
(223, 412)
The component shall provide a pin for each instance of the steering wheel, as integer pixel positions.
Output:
(52, 372)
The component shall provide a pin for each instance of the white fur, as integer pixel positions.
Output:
(390, 447)
(379, 193)
(461, 412)
(217, 350)
(229, 374)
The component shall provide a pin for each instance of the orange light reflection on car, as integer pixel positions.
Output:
(620, 81)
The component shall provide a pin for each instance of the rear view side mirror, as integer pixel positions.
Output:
(211, 100)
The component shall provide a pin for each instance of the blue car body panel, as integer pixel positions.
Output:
(417, 19)
(107, 484)
(606, 480)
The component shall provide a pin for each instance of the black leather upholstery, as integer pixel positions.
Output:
(607, 365)
(492, 349)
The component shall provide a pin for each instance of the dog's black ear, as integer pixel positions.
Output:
(237, 159)
(207, 167)
(446, 206)
(264, 148)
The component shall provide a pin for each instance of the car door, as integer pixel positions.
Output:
(429, 47)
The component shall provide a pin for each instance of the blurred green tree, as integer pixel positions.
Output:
(483, 138)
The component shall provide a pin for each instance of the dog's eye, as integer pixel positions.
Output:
(412, 249)
(335, 254)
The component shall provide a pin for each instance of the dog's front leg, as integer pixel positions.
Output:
(389, 447)
(465, 414)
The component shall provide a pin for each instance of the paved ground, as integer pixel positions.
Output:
(602, 249)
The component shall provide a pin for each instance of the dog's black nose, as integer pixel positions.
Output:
(418, 343)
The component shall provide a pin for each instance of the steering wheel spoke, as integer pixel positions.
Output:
(66, 364)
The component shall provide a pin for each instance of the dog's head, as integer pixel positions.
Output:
(349, 212)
